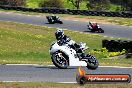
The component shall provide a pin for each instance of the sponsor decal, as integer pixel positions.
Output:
(82, 77)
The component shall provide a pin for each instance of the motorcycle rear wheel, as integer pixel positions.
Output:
(60, 60)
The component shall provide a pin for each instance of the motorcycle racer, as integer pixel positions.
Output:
(64, 39)
(93, 25)
(66, 52)
(54, 19)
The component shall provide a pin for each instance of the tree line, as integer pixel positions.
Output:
(13, 2)
(100, 5)
(126, 5)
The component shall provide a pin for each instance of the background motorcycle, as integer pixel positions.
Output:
(64, 56)
(95, 28)
(54, 19)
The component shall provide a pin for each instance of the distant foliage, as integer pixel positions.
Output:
(130, 4)
(98, 5)
(76, 3)
(125, 4)
(52, 3)
(13, 2)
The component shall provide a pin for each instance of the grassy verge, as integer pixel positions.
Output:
(25, 43)
(116, 62)
(101, 19)
(113, 20)
(58, 85)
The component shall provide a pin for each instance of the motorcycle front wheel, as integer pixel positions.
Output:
(101, 30)
(92, 62)
(60, 60)
(61, 22)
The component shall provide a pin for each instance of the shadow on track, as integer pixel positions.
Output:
(66, 68)
(53, 67)
(92, 32)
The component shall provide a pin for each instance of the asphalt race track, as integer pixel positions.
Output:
(110, 30)
(38, 73)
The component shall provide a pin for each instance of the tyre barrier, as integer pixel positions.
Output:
(69, 11)
(118, 46)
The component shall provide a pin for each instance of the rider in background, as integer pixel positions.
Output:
(54, 17)
(93, 25)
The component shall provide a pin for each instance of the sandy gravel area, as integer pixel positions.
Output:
(85, 19)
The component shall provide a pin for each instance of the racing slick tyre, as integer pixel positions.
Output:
(82, 80)
(92, 62)
(61, 22)
(60, 60)
(101, 30)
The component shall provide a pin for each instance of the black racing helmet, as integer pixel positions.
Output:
(59, 34)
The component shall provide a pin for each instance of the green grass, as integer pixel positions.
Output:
(25, 43)
(114, 20)
(121, 21)
(116, 62)
(60, 85)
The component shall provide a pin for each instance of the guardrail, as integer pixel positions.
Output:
(69, 11)
(118, 45)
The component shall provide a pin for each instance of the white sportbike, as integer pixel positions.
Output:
(63, 56)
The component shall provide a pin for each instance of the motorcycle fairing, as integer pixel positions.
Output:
(71, 53)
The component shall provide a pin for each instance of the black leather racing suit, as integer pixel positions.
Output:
(65, 39)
